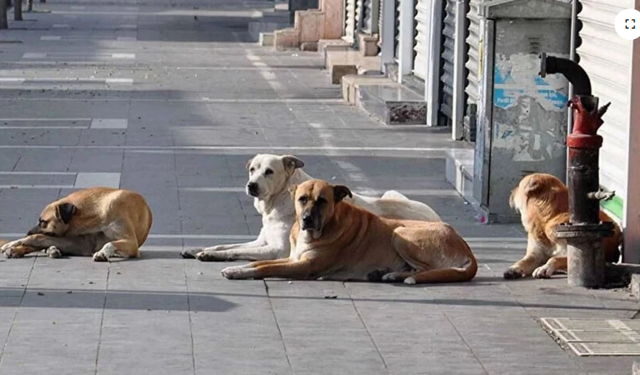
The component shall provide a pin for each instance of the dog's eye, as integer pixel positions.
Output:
(42, 223)
(252, 170)
(303, 199)
(268, 172)
(321, 200)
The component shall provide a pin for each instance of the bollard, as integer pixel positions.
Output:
(585, 232)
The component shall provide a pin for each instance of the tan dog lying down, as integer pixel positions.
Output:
(270, 176)
(102, 222)
(335, 240)
(543, 203)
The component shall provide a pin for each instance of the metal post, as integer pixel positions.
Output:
(585, 232)
(4, 24)
(631, 215)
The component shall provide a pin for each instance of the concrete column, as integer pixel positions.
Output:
(631, 219)
(405, 48)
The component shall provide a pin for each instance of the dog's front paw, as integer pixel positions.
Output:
(513, 273)
(101, 256)
(10, 245)
(190, 254)
(17, 251)
(54, 252)
(213, 256)
(377, 275)
(236, 272)
(543, 272)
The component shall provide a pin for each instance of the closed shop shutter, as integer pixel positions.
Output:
(421, 45)
(473, 42)
(448, 46)
(396, 40)
(350, 20)
(606, 58)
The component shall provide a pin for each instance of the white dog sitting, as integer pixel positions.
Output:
(270, 177)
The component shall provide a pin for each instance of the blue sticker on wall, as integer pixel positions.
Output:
(506, 90)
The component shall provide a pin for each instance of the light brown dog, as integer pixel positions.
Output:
(335, 240)
(102, 222)
(543, 203)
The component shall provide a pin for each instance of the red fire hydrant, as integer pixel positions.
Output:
(585, 232)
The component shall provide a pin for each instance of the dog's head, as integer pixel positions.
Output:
(315, 202)
(539, 197)
(54, 219)
(269, 174)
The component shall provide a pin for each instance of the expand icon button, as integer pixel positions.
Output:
(627, 24)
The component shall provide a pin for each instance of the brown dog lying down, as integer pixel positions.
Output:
(335, 240)
(102, 222)
(543, 203)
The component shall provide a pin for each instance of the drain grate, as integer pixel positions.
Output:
(597, 337)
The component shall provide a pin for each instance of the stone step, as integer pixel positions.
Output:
(352, 83)
(459, 171)
(332, 44)
(393, 104)
(258, 27)
(342, 63)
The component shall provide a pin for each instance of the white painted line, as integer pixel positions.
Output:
(51, 37)
(60, 26)
(232, 148)
(45, 119)
(36, 186)
(127, 39)
(123, 55)
(239, 237)
(78, 7)
(11, 80)
(339, 102)
(34, 55)
(86, 180)
(24, 173)
(119, 81)
(372, 192)
(109, 123)
(43, 127)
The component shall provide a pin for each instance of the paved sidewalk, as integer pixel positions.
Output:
(172, 102)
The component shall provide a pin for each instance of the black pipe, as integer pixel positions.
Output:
(570, 69)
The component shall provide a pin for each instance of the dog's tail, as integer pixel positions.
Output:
(392, 194)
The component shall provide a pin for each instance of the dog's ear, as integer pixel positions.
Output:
(340, 192)
(248, 163)
(533, 186)
(291, 163)
(292, 190)
(512, 197)
(65, 212)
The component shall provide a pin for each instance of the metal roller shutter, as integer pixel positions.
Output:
(473, 43)
(359, 14)
(396, 40)
(606, 57)
(369, 17)
(350, 20)
(448, 54)
(421, 46)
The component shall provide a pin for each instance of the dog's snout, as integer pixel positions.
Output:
(308, 221)
(34, 230)
(252, 188)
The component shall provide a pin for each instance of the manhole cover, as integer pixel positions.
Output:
(597, 337)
